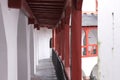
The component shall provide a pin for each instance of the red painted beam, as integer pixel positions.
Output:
(14, 4)
(31, 20)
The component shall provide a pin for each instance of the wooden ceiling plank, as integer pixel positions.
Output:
(41, 16)
(45, 8)
(48, 4)
(45, 0)
(26, 9)
(50, 12)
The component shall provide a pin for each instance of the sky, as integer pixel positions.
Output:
(89, 5)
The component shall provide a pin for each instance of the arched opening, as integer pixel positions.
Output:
(3, 50)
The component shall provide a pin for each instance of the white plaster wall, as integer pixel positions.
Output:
(109, 39)
(3, 50)
(28, 29)
(44, 39)
(23, 56)
(31, 46)
(36, 48)
(88, 64)
(10, 20)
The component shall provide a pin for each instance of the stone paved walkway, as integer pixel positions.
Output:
(45, 70)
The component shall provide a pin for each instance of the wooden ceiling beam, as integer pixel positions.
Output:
(47, 20)
(48, 23)
(40, 11)
(33, 6)
(48, 17)
(45, 8)
(45, 0)
(14, 4)
(45, 4)
(47, 14)
(51, 12)
(23, 5)
(53, 2)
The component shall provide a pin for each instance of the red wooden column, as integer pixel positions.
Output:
(67, 56)
(62, 39)
(67, 19)
(87, 41)
(59, 40)
(76, 45)
(53, 37)
(55, 40)
(62, 42)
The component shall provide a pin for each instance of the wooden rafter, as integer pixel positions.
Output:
(40, 11)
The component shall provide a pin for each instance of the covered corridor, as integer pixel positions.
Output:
(59, 40)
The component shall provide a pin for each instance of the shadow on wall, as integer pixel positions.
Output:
(3, 50)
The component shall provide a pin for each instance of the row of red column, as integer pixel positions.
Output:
(61, 44)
